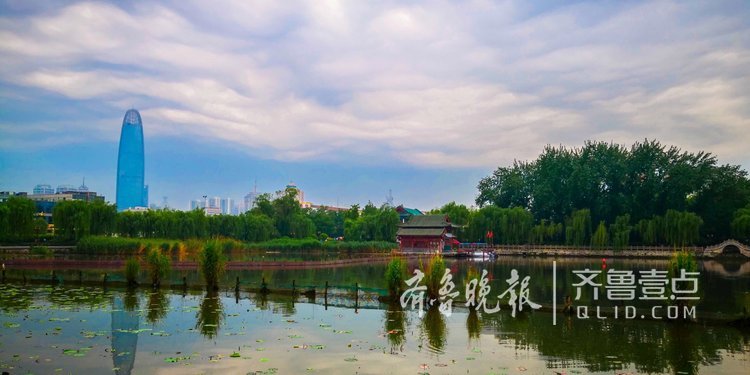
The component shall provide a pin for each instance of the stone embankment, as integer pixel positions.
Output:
(570, 251)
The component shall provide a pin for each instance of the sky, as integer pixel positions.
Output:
(353, 99)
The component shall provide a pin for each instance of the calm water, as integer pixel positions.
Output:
(74, 329)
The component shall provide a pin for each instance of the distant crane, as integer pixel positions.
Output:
(389, 198)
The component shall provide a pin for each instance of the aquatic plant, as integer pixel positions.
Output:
(212, 264)
(433, 275)
(132, 269)
(159, 265)
(394, 276)
(682, 259)
(471, 274)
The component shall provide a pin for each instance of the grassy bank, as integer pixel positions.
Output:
(128, 246)
(289, 244)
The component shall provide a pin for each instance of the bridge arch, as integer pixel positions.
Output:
(728, 247)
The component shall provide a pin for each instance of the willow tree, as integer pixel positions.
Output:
(620, 232)
(600, 238)
(578, 229)
(72, 219)
(682, 228)
(741, 225)
(17, 219)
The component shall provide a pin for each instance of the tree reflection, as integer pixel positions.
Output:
(158, 305)
(395, 326)
(130, 300)
(433, 324)
(473, 325)
(210, 315)
(683, 358)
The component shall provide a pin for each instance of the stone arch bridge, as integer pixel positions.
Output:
(726, 248)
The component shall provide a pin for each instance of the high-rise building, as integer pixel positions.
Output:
(44, 189)
(197, 203)
(226, 206)
(131, 189)
(249, 200)
(214, 202)
(63, 188)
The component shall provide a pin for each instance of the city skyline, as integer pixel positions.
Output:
(353, 100)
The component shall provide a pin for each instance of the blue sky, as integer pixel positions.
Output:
(351, 99)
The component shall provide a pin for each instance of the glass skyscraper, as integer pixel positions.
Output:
(131, 189)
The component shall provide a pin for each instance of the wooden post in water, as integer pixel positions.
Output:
(80, 277)
(104, 281)
(53, 277)
(356, 298)
(294, 287)
(237, 291)
(325, 296)
(23, 274)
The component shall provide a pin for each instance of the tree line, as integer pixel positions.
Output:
(605, 193)
(601, 194)
(269, 219)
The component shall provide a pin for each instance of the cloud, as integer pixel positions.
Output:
(447, 85)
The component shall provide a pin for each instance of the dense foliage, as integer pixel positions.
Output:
(17, 219)
(132, 269)
(645, 183)
(395, 275)
(212, 263)
(159, 265)
(282, 219)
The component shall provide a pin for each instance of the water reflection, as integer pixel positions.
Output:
(395, 326)
(473, 325)
(210, 315)
(612, 345)
(727, 268)
(125, 324)
(130, 300)
(433, 325)
(158, 305)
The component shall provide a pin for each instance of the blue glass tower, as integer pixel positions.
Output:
(131, 190)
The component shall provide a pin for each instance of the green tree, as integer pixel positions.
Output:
(72, 220)
(741, 225)
(620, 232)
(578, 230)
(17, 219)
(643, 181)
(103, 218)
(600, 238)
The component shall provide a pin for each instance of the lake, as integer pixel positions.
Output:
(70, 328)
